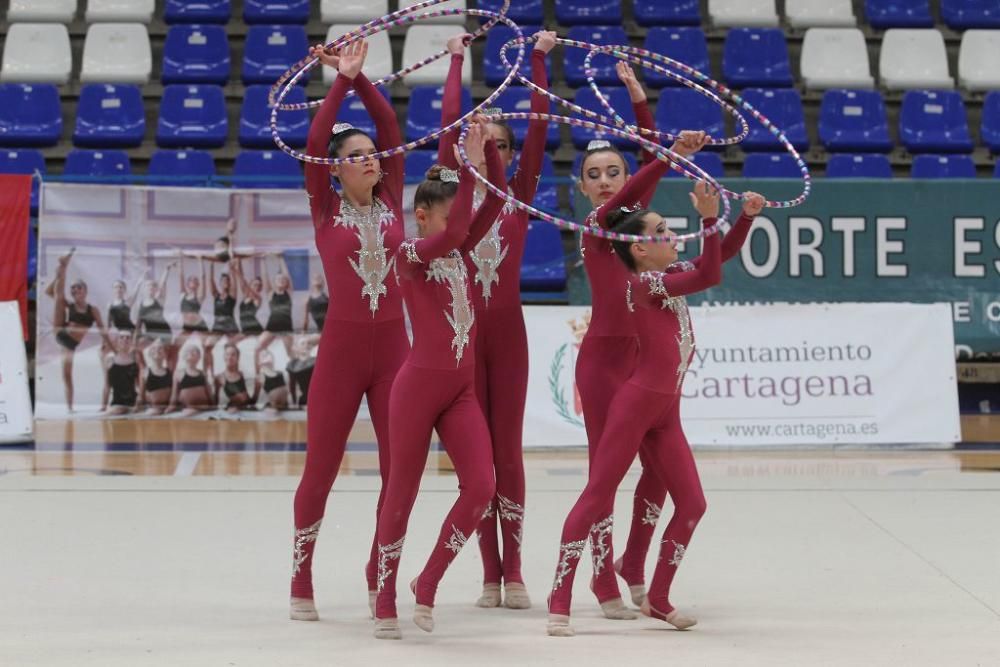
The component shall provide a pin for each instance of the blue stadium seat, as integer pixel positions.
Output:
(417, 164)
(687, 45)
(24, 161)
(109, 115)
(604, 64)
(255, 119)
(270, 50)
(770, 165)
(854, 120)
(686, 109)
(783, 107)
(963, 14)
(756, 57)
(522, 12)
(193, 168)
(266, 169)
(861, 165)
(517, 99)
(588, 12)
(996, 170)
(711, 163)
(192, 116)
(353, 111)
(943, 166)
(990, 128)
(197, 11)
(196, 54)
(544, 266)
(934, 122)
(547, 194)
(424, 112)
(884, 14)
(99, 166)
(619, 99)
(30, 114)
(493, 70)
(269, 11)
(667, 12)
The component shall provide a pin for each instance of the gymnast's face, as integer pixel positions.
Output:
(317, 281)
(358, 176)
(118, 289)
(192, 355)
(604, 175)
(231, 357)
(501, 136)
(655, 256)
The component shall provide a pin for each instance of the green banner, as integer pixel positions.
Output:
(862, 241)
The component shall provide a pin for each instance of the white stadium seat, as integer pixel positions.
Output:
(37, 53)
(835, 58)
(379, 60)
(457, 19)
(979, 60)
(56, 11)
(423, 41)
(820, 13)
(914, 58)
(356, 12)
(116, 53)
(742, 13)
(120, 11)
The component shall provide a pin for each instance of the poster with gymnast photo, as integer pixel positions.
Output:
(180, 303)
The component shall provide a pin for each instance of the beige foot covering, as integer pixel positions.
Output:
(303, 609)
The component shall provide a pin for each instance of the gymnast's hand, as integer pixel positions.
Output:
(627, 76)
(753, 204)
(689, 143)
(458, 43)
(545, 40)
(475, 142)
(352, 58)
(705, 200)
(329, 57)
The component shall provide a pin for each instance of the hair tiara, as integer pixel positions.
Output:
(448, 176)
(597, 144)
(492, 112)
(342, 127)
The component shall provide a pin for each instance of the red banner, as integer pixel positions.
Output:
(15, 210)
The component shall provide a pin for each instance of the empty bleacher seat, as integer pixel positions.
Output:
(685, 109)
(266, 169)
(353, 111)
(109, 115)
(270, 50)
(197, 11)
(962, 14)
(820, 13)
(845, 165)
(185, 167)
(854, 120)
(770, 165)
(979, 60)
(728, 13)
(990, 128)
(914, 59)
(378, 62)
(884, 14)
(30, 114)
(518, 99)
(934, 122)
(192, 115)
(43, 11)
(756, 57)
(588, 12)
(522, 12)
(619, 99)
(604, 64)
(100, 166)
(269, 11)
(667, 12)
(494, 71)
(687, 45)
(196, 54)
(426, 40)
(255, 119)
(120, 11)
(543, 268)
(710, 163)
(23, 161)
(417, 164)
(424, 111)
(352, 11)
(37, 53)
(783, 107)
(943, 166)
(454, 19)
(117, 53)
(835, 58)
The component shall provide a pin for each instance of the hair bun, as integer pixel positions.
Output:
(434, 173)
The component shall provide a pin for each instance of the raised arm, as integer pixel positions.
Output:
(321, 195)
(130, 300)
(493, 204)
(753, 204)
(389, 136)
(529, 167)
(640, 104)
(182, 276)
(638, 188)
(451, 102)
(265, 277)
(163, 283)
(211, 279)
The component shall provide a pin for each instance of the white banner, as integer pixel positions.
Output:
(15, 402)
(871, 373)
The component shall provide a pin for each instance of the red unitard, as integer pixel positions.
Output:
(364, 341)
(501, 340)
(435, 389)
(639, 417)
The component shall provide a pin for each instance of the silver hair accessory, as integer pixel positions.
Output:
(342, 127)
(492, 111)
(631, 209)
(448, 176)
(598, 143)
